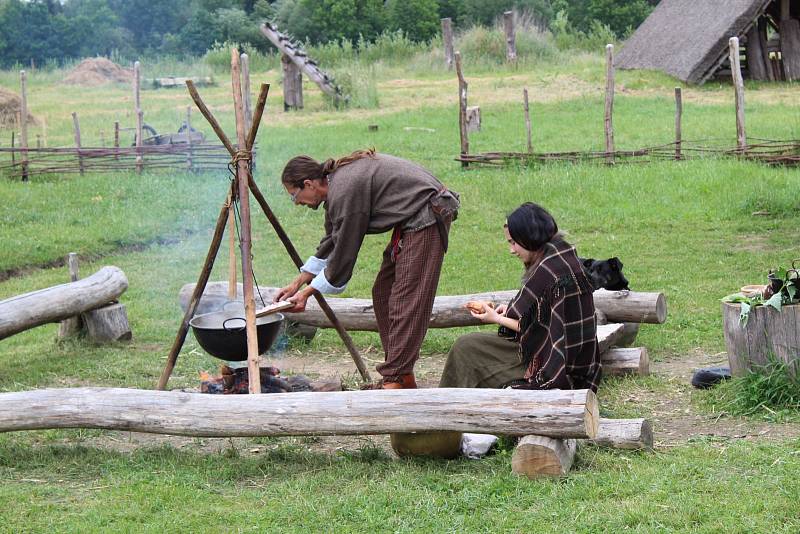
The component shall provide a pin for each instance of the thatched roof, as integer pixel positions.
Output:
(688, 38)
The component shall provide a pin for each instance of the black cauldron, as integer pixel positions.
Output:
(222, 333)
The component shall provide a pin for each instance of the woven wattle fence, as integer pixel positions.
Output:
(194, 157)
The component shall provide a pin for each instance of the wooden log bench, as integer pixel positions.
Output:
(57, 303)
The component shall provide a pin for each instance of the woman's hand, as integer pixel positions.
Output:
(489, 315)
(501, 310)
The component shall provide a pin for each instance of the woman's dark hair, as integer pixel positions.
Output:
(531, 226)
(302, 168)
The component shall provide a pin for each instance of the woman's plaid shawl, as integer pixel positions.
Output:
(558, 331)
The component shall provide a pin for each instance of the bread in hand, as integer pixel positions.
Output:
(478, 306)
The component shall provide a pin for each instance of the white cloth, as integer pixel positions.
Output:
(475, 446)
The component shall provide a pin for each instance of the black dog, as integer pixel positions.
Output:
(605, 274)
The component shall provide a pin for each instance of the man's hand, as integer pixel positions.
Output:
(299, 300)
(285, 292)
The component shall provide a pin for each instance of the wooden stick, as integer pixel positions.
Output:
(137, 105)
(71, 325)
(256, 119)
(554, 413)
(13, 158)
(511, 45)
(231, 255)
(209, 117)
(77, 131)
(23, 123)
(205, 273)
(242, 173)
(609, 125)
(462, 109)
(527, 120)
(246, 97)
(447, 38)
(678, 118)
(323, 304)
(738, 86)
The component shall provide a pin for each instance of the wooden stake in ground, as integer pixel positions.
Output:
(511, 40)
(77, 131)
(72, 325)
(678, 118)
(609, 125)
(116, 140)
(292, 84)
(462, 109)
(23, 123)
(447, 38)
(738, 86)
(189, 138)
(527, 119)
(246, 97)
(137, 109)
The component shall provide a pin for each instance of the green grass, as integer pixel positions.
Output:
(687, 229)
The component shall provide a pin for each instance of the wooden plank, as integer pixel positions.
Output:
(755, 55)
(790, 48)
(552, 413)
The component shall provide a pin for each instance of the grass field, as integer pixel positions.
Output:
(696, 230)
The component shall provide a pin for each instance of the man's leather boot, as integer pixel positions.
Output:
(400, 382)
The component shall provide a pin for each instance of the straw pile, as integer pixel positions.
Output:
(10, 107)
(98, 71)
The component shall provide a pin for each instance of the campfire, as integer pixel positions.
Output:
(233, 381)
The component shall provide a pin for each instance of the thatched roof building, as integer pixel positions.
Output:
(688, 39)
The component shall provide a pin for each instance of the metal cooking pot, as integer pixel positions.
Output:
(222, 333)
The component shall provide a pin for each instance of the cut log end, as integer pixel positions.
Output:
(446, 445)
(108, 324)
(540, 456)
(625, 434)
(592, 419)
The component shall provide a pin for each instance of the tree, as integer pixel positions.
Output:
(418, 19)
(321, 21)
(619, 15)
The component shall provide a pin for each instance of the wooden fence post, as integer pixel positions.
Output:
(77, 131)
(527, 119)
(462, 109)
(13, 158)
(511, 44)
(738, 86)
(246, 97)
(116, 140)
(678, 118)
(137, 104)
(23, 123)
(189, 138)
(71, 325)
(609, 124)
(447, 39)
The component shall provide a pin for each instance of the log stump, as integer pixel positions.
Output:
(768, 335)
(446, 445)
(540, 456)
(107, 324)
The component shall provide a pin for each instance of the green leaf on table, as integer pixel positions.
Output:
(775, 301)
(736, 298)
(744, 315)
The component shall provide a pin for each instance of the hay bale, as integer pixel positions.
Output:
(10, 108)
(98, 71)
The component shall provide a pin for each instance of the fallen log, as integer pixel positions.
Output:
(624, 434)
(448, 311)
(625, 361)
(554, 413)
(57, 303)
(540, 456)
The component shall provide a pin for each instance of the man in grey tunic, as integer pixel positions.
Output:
(371, 193)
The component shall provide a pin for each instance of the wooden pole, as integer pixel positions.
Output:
(527, 120)
(609, 124)
(678, 118)
(137, 105)
(116, 140)
(205, 273)
(447, 39)
(13, 158)
(762, 38)
(38, 141)
(246, 97)
(189, 138)
(102, 138)
(738, 86)
(243, 158)
(292, 84)
(77, 131)
(232, 255)
(462, 109)
(71, 325)
(511, 44)
(755, 55)
(789, 32)
(23, 123)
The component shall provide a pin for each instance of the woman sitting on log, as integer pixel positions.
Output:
(547, 335)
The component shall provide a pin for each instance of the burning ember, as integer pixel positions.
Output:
(236, 381)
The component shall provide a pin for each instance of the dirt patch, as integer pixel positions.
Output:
(96, 71)
(11, 108)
